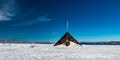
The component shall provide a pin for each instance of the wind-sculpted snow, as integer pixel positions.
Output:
(49, 52)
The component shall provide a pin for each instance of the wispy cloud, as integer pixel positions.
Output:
(35, 21)
(43, 19)
(8, 10)
(4, 15)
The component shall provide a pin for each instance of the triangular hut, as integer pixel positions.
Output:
(66, 39)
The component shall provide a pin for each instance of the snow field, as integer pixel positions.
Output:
(49, 52)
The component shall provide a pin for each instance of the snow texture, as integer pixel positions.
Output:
(49, 52)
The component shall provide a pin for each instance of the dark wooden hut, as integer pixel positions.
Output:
(66, 39)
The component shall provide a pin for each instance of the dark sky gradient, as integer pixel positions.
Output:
(45, 20)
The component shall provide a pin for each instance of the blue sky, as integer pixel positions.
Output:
(45, 20)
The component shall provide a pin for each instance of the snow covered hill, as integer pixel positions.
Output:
(49, 52)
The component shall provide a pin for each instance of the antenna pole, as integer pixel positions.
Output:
(67, 25)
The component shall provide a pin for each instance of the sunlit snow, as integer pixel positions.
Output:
(49, 52)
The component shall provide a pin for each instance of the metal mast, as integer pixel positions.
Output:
(67, 25)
